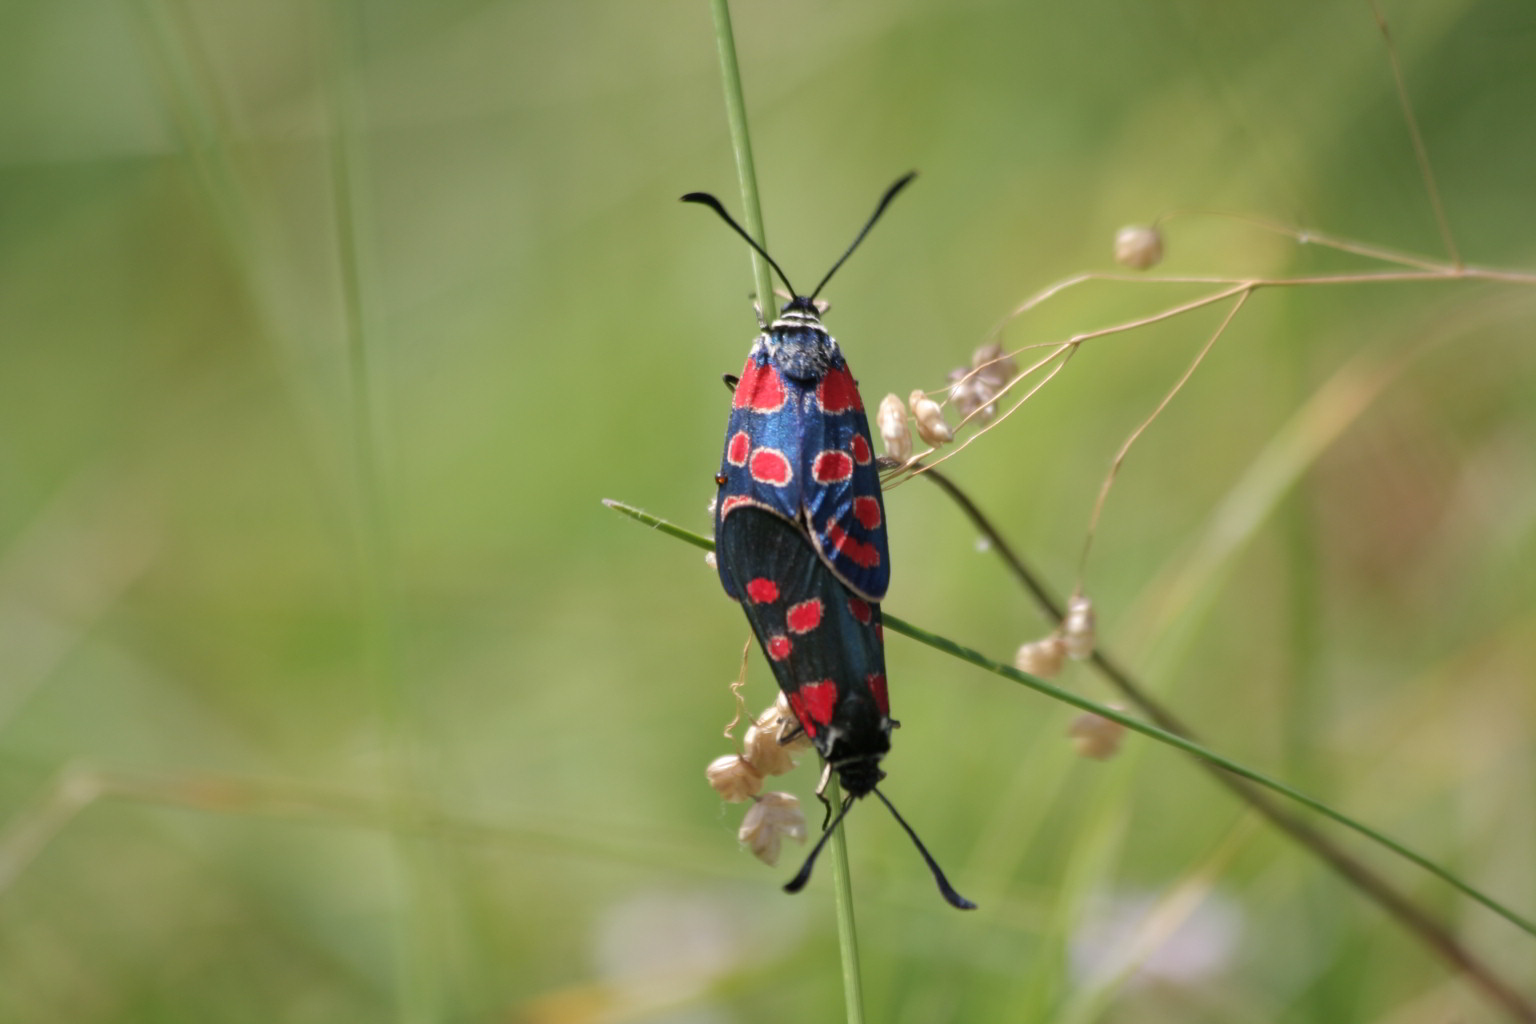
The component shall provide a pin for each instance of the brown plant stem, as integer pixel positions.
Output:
(1435, 936)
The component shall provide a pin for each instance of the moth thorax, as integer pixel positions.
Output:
(859, 776)
(800, 346)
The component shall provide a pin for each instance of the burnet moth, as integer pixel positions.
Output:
(800, 539)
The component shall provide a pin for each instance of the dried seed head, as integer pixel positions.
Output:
(930, 419)
(1043, 657)
(892, 422)
(1096, 736)
(1138, 247)
(968, 393)
(734, 778)
(1079, 627)
(772, 818)
(780, 721)
(994, 366)
(978, 385)
(776, 713)
(766, 753)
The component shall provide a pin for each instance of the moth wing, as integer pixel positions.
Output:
(823, 642)
(760, 465)
(841, 490)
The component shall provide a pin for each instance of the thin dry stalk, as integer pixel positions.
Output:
(1114, 468)
(1420, 151)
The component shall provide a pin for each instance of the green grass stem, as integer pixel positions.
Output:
(741, 142)
(746, 172)
(842, 895)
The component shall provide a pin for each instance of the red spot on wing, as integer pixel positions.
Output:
(805, 616)
(737, 448)
(759, 389)
(880, 634)
(762, 591)
(860, 446)
(733, 501)
(797, 705)
(860, 609)
(865, 556)
(746, 384)
(769, 466)
(832, 467)
(819, 701)
(867, 511)
(838, 393)
(876, 681)
(779, 647)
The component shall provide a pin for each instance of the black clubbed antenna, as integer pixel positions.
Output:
(714, 204)
(798, 882)
(885, 200)
(946, 890)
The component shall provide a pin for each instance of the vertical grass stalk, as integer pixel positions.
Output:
(736, 114)
(847, 933)
(741, 142)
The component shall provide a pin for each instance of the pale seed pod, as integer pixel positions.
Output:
(1079, 627)
(892, 423)
(977, 386)
(734, 778)
(1043, 657)
(1096, 736)
(994, 367)
(779, 720)
(766, 753)
(1138, 247)
(770, 819)
(968, 393)
(930, 420)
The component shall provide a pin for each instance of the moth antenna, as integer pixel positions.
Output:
(710, 201)
(798, 882)
(885, 200)
(945, 889)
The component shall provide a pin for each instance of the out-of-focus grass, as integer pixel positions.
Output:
(178, 572)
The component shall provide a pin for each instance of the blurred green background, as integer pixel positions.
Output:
(211, 679)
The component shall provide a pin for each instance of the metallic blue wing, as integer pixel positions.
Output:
(841, 494)
(801, 449)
